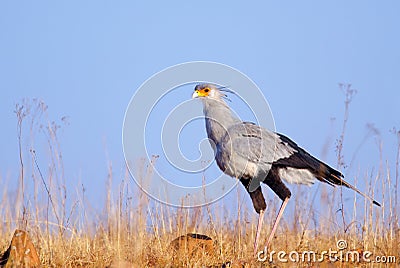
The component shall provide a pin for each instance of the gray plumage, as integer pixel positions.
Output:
(254, 154)
(242, 149)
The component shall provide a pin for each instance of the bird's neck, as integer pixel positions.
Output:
(218, 118)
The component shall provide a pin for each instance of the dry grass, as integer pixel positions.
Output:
(133, 229)
(141, 235)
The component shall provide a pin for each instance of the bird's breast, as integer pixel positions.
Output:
(234, 165)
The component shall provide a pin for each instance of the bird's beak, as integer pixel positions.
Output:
(195, 95)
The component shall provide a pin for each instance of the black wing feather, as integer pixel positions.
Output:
(303, 160)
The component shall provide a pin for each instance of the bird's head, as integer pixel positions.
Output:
(208, 91)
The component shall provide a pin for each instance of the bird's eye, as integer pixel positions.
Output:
(206, 90)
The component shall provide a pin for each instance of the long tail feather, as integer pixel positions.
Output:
(348, 185)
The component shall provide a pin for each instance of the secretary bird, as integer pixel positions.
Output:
(254, 154)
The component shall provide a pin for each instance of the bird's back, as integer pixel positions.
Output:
(248, 150)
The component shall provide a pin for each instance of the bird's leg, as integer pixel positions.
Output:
(275, 183)
(259, 225)
(259, 205)
(278, 218)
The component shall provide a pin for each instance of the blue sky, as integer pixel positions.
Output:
(85, 59)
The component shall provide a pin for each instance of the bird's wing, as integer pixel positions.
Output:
(256, 144)
(255, 150)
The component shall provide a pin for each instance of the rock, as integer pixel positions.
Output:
(193, 244)
(21, 252)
